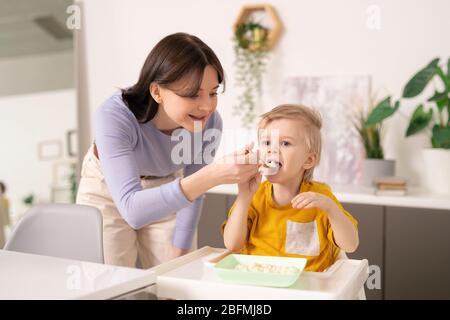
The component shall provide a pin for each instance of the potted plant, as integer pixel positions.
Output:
(435, 111)
(433, 115)
(250, 46)
(375, 165)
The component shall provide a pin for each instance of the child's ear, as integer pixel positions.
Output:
(155, 92)
(310, 161)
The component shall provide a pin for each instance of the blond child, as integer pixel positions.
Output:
(289, 214)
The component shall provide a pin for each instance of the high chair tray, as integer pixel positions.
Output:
(192, 277)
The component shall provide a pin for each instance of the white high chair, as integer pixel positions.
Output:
(343, 256)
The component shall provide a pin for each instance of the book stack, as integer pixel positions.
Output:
(390, 186)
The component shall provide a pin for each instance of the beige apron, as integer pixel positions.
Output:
(122, 245)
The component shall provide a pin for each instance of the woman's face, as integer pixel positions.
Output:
(191, 113)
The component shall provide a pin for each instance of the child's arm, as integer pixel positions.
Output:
(235, 232)
(345, 232)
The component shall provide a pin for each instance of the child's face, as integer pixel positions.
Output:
(283, 140)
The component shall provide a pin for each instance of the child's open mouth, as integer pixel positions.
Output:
(270, 167)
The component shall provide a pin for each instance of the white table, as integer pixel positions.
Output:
(29, 276)
(191, 277)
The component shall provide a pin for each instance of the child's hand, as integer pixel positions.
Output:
(249, 187)
(313, 200)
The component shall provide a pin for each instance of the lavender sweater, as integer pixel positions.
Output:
(128, 149)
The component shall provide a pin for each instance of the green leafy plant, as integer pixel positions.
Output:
(250, 47)
(370, 134)
(424, 112)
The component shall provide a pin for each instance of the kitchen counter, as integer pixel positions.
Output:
(415, 197)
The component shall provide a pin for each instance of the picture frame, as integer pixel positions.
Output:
(71, 137)
(49, 150)
(338, 99)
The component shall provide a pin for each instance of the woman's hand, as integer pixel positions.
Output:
(177, 252)
(238, 167)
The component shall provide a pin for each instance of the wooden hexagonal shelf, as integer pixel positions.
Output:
(277, 27)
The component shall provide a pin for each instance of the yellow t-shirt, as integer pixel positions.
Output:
(291, 232)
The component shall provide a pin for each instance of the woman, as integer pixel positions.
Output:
(149, 199)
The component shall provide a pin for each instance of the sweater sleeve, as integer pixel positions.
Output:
(188, 217)
(115, 138)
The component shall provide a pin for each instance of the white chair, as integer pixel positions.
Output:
(60, 230)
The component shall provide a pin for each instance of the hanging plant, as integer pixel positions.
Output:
(250, 46)
(73, 183)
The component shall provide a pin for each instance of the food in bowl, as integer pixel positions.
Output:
(265, 267)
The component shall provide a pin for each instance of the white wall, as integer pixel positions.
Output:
(36, 73)
(322, 37)
(25, 121)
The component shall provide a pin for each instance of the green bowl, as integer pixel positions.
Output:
(225, 270)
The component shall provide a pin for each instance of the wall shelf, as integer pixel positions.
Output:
(274, 31)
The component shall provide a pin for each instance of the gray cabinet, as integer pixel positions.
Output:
(213, 215)
(417, 253)
(214, 212)
(371, 240)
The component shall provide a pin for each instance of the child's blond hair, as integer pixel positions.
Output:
(312, 122)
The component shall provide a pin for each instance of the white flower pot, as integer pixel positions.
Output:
(377, 168)
(437, 170)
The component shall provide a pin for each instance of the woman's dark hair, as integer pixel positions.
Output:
(2, 187)
(174, 57)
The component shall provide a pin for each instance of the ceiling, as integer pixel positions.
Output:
(29, 27)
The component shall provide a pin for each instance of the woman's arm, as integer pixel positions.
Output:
(115, 138)
(235, 168)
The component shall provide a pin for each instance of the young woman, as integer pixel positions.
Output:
(150, 201)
